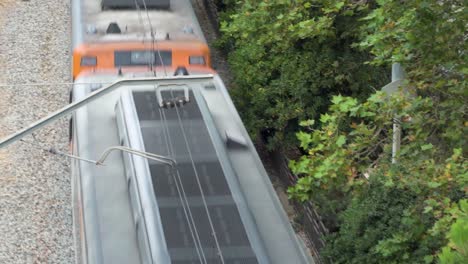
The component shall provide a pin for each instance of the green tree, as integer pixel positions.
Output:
(457, 249)
(397, 213)
(289, 57)
(321, 61)
(429, 38)
(380, 212)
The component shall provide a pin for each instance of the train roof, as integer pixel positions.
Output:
(90, 22)
(192, 121)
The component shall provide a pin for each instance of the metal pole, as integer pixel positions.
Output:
(397, 74)
(91, 97)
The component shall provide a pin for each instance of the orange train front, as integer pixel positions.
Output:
(122, 35)
(139, 56)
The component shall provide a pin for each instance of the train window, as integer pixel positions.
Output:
(200, 60)
(88, 61)
(142, 57)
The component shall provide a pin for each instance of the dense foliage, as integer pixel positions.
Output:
(321, 61)
(457, 249)
(387, 213)
(289, 57)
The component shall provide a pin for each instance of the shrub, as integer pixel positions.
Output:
(288, 59)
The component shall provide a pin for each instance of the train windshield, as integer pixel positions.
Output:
(143, 57)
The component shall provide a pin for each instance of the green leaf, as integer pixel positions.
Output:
(307, 123)
(337, 99)
(428, 259)
(433, 185)
(459, 234)
(304, 138)
(339, 5)
(426, 146)
(341, 141)
(427, 209)
(325, 118)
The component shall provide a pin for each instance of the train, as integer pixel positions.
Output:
(167, 172)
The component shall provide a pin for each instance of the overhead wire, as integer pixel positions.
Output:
(202, 193)
(182, 194)
(153, 39)
(140, 20)
(174, 171)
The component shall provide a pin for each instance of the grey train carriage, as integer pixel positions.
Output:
(182, 182)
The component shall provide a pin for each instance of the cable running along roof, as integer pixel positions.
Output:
(199, 215)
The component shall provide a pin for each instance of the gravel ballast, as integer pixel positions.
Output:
(35, 202)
